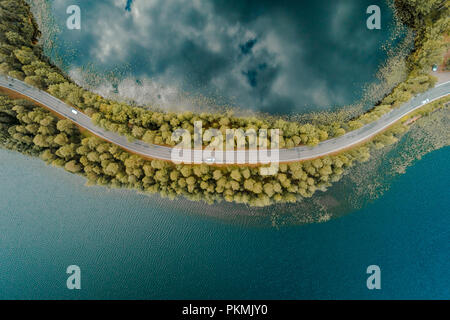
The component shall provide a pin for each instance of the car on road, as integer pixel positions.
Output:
(74, 111)
(210, 160)
(425, 101)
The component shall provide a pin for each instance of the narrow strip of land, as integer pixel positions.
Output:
(300, 153)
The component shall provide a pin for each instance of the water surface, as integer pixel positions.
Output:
(133, 246)
(280, 57)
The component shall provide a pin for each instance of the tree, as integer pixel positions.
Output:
(61, 139)
(236, 175)
(72, 166)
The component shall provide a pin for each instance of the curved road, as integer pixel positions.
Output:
(285, 155)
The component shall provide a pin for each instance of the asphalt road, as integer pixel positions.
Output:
(237, 156)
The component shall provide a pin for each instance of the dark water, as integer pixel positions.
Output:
(131, 246)
(274, 56)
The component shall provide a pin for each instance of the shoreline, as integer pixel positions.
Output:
(106, 164)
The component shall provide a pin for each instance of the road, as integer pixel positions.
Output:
(283, 155)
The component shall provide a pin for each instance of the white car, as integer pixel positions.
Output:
(74, 111)
(425, 101)
(210, 160)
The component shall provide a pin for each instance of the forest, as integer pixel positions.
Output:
(32, 130)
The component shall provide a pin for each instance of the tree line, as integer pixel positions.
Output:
(34, 131)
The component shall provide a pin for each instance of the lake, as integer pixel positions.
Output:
(134, 246)
(281, 57)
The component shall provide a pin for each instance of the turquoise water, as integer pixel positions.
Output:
(133, 246)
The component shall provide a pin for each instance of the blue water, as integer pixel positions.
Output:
(133, 246)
